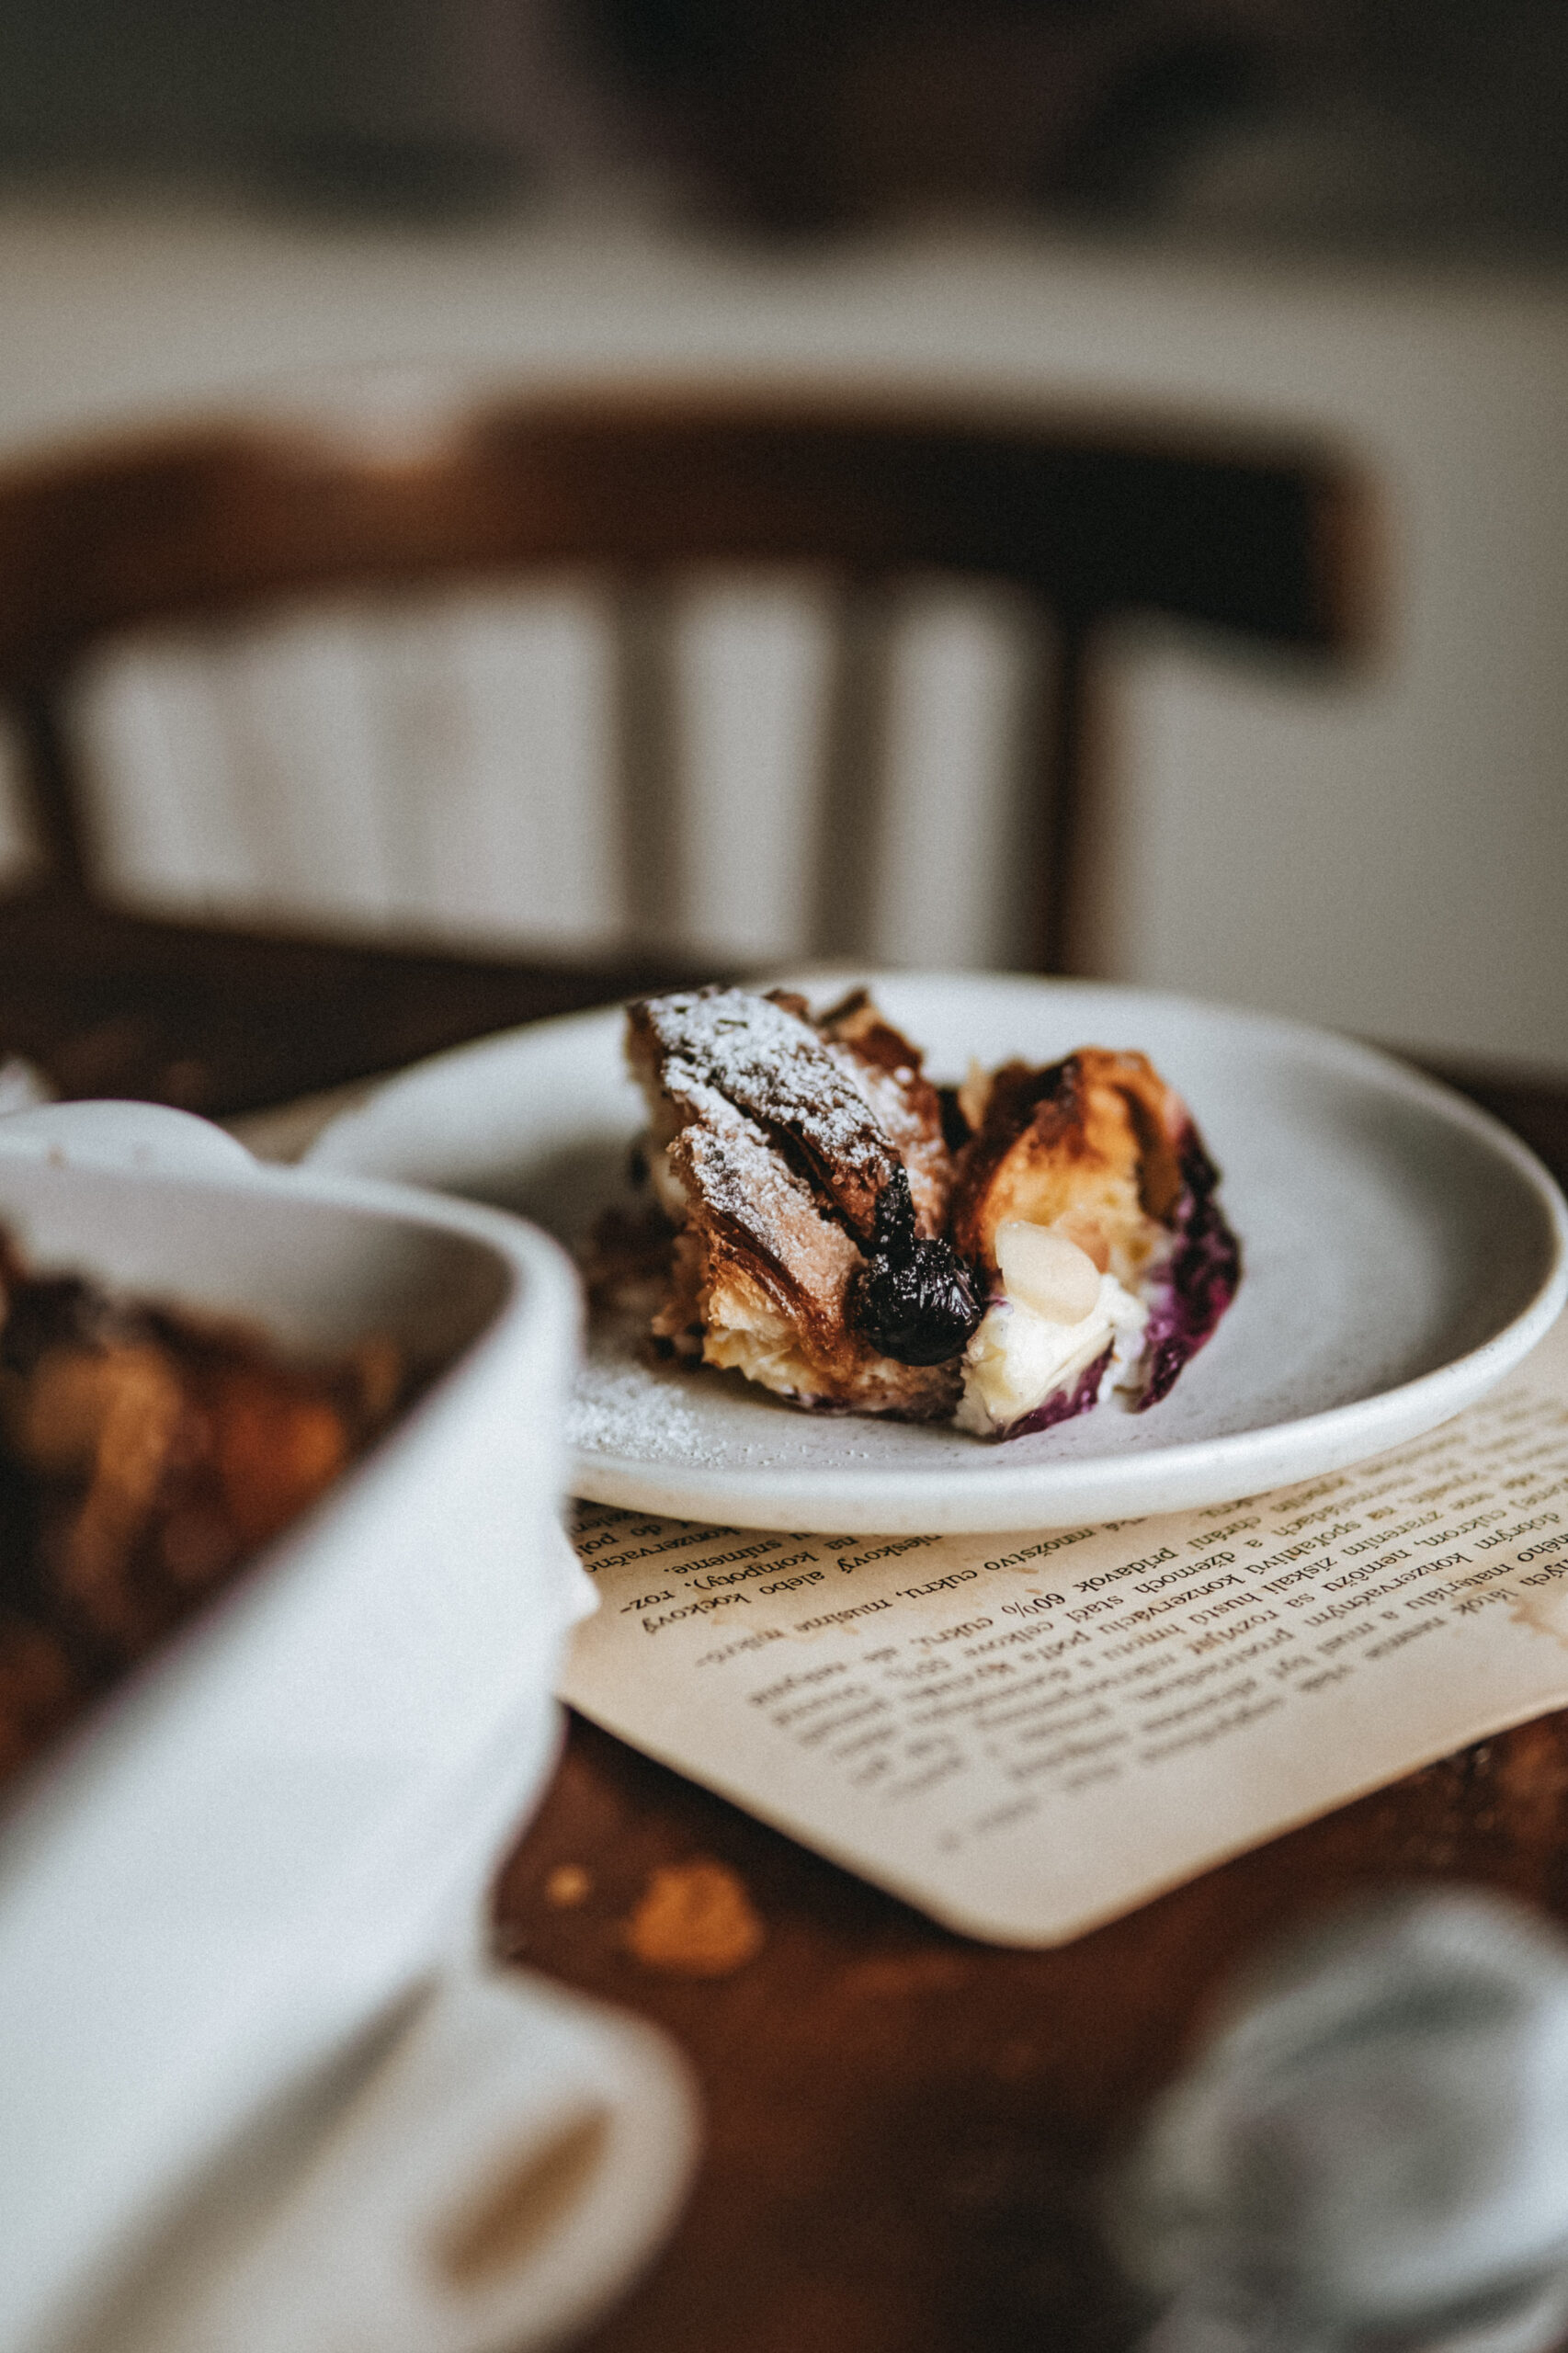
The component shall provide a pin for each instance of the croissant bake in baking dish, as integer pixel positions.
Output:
(145, 1455)
(819, 1217)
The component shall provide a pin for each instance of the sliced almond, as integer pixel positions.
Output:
(1081, 1226)
(1043, 1270)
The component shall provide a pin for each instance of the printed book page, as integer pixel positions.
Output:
(1028, 1735)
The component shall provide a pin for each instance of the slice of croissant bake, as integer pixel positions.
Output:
(802, 1167)
(822, 1222)
(1085, 1201)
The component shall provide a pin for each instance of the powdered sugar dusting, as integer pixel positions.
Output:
(742, 1179)
(623, 1407)
(724, 1047)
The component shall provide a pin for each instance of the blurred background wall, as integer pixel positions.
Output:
(1347, 221)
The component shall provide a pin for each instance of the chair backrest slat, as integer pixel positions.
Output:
(854, 787)
(644, 734)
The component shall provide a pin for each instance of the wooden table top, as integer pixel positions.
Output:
(904, 2128)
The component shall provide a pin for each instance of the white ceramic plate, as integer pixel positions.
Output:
(1401, 1253)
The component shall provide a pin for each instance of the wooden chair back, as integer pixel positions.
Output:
(1093, 521)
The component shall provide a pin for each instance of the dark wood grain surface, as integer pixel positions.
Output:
(905, 2130)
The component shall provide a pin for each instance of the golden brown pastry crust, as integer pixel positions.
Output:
(906, 1105)
(1091, 1144)
(775, 1140)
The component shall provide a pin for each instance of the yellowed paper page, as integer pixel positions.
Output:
(1028, 1735)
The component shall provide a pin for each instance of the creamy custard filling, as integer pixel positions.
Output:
(1054, 1317)
(1019, 1359)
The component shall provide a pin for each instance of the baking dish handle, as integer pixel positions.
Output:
(499, 2172)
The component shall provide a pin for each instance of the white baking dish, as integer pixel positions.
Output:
(282, 1827)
